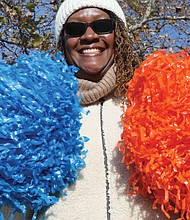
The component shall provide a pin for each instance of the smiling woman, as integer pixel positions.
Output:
(93, 50)
(93, 35)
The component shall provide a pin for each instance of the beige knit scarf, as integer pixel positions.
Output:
(91, 92)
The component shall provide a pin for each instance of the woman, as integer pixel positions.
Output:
(93, 36)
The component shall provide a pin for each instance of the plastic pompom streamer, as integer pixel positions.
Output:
(155, 142)
(41, 150)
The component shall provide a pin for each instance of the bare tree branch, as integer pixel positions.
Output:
(148, 19)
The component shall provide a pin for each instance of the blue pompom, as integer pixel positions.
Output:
(41, 149)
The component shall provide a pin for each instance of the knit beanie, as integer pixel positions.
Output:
(68, 7)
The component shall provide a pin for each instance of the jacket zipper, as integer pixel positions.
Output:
(105, 161)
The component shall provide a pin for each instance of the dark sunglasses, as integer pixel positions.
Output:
(77, 29)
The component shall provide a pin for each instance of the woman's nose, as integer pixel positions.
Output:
(89, 34)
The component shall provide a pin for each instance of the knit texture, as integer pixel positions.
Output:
(93, 91)
(68, 7)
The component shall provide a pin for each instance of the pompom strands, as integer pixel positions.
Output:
(156, 124)
(41, 150)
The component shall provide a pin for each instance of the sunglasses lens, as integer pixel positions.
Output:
(103, 26)
(75, 29)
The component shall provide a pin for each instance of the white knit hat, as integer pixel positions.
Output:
(68, 7)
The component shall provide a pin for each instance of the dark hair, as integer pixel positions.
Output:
(125, 59)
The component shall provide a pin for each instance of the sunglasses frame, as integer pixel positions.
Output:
(92, 25)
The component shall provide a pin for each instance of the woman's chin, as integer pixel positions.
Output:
(90, 74)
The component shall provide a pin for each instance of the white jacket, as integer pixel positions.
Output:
(100, 191)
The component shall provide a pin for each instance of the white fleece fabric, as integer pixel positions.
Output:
(90, 197)
(87, 199)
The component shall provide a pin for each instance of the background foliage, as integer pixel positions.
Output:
(153, 24)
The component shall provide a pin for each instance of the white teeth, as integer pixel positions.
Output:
(94, 50)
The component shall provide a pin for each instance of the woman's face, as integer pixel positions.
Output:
(93, 53)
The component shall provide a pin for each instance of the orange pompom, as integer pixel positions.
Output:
(156, 131)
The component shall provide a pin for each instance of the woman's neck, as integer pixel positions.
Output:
(90, 77)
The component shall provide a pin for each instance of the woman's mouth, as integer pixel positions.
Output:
(91, 51)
